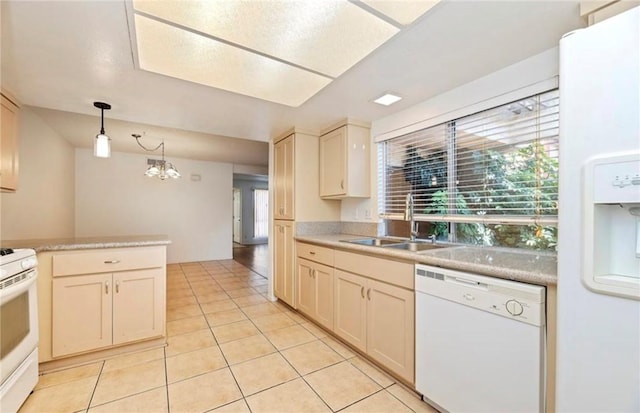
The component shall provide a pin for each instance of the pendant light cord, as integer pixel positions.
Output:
(160, 145)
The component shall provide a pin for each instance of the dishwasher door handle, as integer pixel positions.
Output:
(469, 283)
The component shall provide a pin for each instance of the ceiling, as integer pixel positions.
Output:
(62, 56)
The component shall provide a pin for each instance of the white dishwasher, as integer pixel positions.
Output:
(480, 342)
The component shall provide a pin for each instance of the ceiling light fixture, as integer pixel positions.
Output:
(387, 99)
(158, 167)
(102, 145)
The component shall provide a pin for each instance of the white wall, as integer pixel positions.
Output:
(524, 78)
(43, 205)
(113, 197)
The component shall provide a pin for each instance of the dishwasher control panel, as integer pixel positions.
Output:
(515, 300)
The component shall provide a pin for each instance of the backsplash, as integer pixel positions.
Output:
(366, 229)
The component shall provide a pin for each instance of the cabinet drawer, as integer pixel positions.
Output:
(393, 272)
(315, 253)
(108, 260)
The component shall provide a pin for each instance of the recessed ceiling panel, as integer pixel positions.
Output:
(402, 11)
(326, 36)
(174, 52)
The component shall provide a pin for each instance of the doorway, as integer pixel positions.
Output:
(237, 216)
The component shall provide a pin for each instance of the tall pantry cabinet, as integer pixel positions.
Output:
(295, 199)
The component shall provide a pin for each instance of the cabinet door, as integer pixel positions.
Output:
(138, 305)
(81, 313)
(333, 163)
(390, 327)
(323, 278)
(306, 288)
(8, 145)
(283, 179)
(283, 265)
(350, 309)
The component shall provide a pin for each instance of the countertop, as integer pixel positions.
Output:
(535, 267)
(62, 244)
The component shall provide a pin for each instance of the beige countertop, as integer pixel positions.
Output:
(62, 244)
(534, 267)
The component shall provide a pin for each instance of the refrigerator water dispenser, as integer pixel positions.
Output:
(611, 224)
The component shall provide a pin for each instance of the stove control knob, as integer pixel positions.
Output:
(514, 307)
(28, 263)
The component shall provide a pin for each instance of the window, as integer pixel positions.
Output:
(489, 178)
(260, 213)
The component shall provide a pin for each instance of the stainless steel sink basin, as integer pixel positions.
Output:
(374, 242)
(415, 246)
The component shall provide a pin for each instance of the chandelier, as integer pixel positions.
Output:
(158, 167)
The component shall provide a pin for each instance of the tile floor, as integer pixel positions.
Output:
(229, 350)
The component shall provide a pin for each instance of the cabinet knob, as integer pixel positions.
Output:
(117, 287)
(369, 294)
(106, 287)
(342, 184)
(314, 274)
(362, 291)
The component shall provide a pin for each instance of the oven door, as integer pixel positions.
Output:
(18, 321)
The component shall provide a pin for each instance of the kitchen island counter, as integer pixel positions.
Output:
(83, 243)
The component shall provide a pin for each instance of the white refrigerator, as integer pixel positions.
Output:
(598, 339)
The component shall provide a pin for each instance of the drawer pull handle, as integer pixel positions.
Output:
(312, 252)
(112, 262)
(362, 291)
(117, 287)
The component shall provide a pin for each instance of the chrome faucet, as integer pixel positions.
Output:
(408, 216)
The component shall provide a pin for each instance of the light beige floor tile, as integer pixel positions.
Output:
(314, 329)
(194, 363)
(234, 331)
(249, 300)
(189, 342)
(383, 379)
(411, 399)
(184, 311)
(273, 322)
(210, 298)
(67, 375)
(246, 349)
(338, 347)
(381, 402)
(236, 407)
(217, 306)
(291, 397)
(262, 289)
(312, 356)
(186, 325)
(223, 275)
(172, 303)
(131, 359)
(178, 292)
(128, 381)
(200, 291)
(261, 310)
(297, 317)
(289, 336)
(67, 397)
(225, 317)
(341, 385)
(151, 401)
(233, 284)
(240, 292)
(204, 392)
(261, 373)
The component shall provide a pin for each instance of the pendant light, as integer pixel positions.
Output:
(102, 144)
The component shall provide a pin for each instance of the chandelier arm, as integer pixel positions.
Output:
(160, 145)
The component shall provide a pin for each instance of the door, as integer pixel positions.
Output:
(323, 280)
(138, 311)
(81, 313)
(283, 179)
(333, 147)
(350, 318)
(283, 285)
(237, 216)
(306, 287)
(390, 327)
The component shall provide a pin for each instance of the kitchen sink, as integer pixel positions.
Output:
(415, 246)
(374, 242)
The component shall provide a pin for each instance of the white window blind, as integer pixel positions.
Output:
(260, 213)
(498, 166)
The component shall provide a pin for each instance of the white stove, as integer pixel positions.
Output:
(18, 327)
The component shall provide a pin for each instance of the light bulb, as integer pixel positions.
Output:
(102, 147)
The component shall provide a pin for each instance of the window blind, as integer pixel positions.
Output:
(496, 166)
(260, 213)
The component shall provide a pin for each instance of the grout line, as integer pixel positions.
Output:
(166, 379)
(95, 387)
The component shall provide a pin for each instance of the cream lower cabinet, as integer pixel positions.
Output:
(100, 310)
(284, 262)
(376, 318)
(315, 291)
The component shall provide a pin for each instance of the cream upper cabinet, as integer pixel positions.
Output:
(283, 262)
(345, 162)
(284, 178)
(8, 145)
(315, 291)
